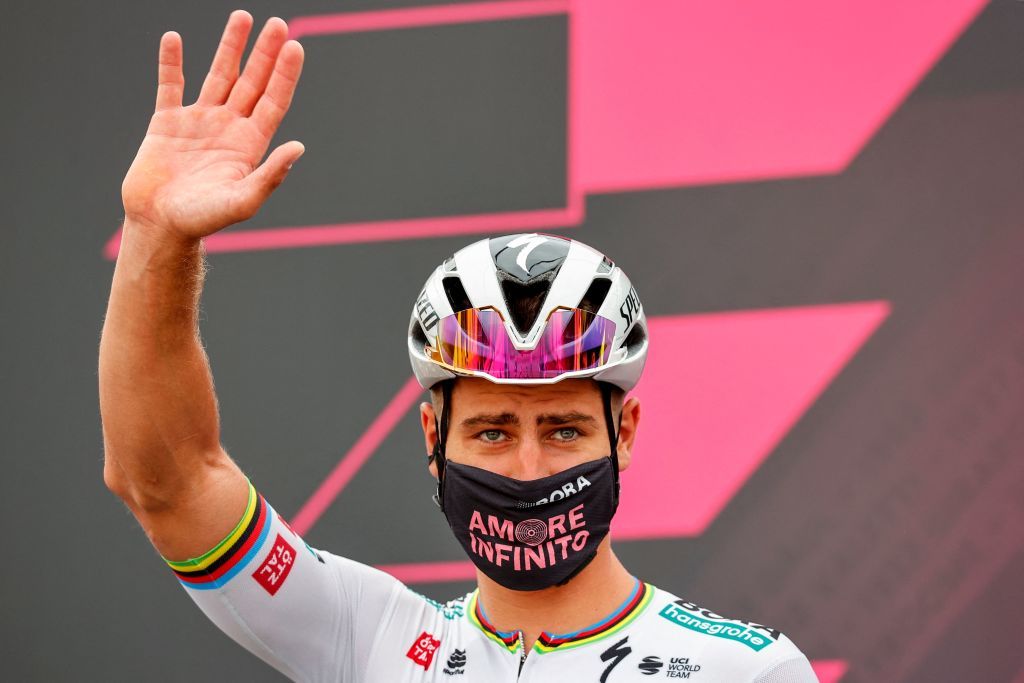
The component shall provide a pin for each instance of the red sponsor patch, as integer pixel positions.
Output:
(422, 651)
(274, 570)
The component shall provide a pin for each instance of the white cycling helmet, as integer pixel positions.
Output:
(528, 309)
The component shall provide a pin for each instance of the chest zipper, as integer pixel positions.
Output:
(522, 654)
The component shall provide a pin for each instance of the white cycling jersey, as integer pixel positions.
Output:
(319, 617)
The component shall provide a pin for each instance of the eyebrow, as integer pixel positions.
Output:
(505, 419)
(571, 417)
(491, 420)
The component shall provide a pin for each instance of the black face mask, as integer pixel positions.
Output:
(529, 535)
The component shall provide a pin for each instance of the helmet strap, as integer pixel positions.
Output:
(441, 424)
(614, 427)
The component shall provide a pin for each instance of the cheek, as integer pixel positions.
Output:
(594, 445)
(472, 452)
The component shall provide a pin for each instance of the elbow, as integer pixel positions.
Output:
(154, 491)
(115, 480)
(138, 499)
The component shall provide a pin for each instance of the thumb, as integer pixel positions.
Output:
(272, 172)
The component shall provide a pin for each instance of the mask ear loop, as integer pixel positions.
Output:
(438, 454)
(613, 436)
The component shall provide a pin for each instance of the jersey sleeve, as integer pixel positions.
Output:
(794, 670)
(311, 615)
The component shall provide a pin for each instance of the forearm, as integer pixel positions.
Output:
(160, 422)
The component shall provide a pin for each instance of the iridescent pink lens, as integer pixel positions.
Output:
(572, 340)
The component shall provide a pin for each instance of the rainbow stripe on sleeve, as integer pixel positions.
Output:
(218, 566)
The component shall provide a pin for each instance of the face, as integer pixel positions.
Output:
(529, 432)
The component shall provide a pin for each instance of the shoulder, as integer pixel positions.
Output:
(453, 610)
(737, 649)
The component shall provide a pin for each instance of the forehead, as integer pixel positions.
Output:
(473, 395)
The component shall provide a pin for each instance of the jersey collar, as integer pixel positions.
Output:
(622, 616)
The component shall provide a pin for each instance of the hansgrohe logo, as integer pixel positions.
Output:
(694, 618)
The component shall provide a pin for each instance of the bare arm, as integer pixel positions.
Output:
(198, 171)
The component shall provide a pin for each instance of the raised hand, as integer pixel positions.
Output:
(198, 169)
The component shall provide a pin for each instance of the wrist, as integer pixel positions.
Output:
(152, 246)
(150, 237)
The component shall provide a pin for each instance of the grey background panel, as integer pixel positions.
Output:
(885, 528)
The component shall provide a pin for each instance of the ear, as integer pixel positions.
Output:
(429, 425)
(627, 430)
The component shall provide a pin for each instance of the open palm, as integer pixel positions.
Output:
(198, 169)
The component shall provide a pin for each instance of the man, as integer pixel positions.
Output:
(528, 345)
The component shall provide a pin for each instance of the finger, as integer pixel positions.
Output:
(170, 79)
(267, 177)
(224, 68)
(277, 97)
(250, 86)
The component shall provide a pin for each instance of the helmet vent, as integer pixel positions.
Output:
(524, 301)
(635, 339)
(595, 295)
(456, 294)
(416, 333)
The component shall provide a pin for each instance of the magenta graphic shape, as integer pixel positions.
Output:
(670, 93)
(719, 393)
(829, 670)
(664, 93)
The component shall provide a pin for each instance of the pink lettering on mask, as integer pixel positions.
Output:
(531, 543)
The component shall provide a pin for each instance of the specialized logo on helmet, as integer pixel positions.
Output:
(525, 257)
(425, 311)
(630, 307)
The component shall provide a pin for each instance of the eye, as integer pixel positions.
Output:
(491, 435)
(566, 434)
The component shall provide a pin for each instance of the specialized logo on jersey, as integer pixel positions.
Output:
(690, 616)
(423, 650)
(276, 567)
(525, 257)
(456, 665)
(614, 656)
